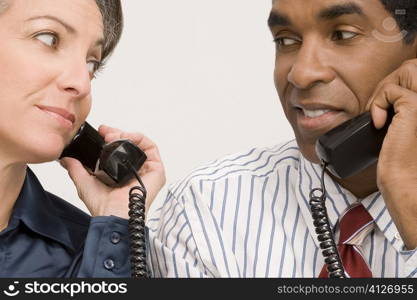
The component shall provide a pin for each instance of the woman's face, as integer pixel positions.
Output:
(49, 52)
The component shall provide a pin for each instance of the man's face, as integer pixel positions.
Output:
(330, 56)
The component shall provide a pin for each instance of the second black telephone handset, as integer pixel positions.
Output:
(115, 164)
(344, 151)
(352, 146)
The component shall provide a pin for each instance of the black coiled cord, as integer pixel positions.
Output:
(324, 231)
(137, 197)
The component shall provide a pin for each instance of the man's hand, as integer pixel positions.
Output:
(102, 200)
(397, 165)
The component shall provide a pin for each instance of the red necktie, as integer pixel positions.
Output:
(355, 225)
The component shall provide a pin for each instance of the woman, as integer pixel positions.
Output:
(49, 55)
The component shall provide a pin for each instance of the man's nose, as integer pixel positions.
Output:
(310, 67)
(75, 78)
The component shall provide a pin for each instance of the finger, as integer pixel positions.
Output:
(136, 137)
(104, 130)
(77, 173)
(145, 144)
(390, 95)
(110, 137)
(139, 139)
(110, 134)
(404, 77)
(153, 155)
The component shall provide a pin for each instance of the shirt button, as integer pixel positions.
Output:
(397, 236)
(109, 264)
(115, 237)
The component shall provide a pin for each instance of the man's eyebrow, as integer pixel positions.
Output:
(339, 10)
(332, 12)
(278, 19)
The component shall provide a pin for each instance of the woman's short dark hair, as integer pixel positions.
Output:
(111, 10)
(405, 14)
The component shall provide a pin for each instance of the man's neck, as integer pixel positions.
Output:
(12, 177)
(362, 184)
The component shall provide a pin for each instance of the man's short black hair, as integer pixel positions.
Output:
(405, 13)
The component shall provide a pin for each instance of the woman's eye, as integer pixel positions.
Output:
(284, 41)
(93, 66)
(344, 35)
(48, 38)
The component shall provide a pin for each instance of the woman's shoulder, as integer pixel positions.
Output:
(71, 215)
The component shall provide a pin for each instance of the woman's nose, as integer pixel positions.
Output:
(75, 79)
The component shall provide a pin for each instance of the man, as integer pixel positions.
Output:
(248, 215)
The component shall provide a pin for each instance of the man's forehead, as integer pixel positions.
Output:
(323, 3)
(283, 10)
(317, 5)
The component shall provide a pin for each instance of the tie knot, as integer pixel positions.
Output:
(355, 224)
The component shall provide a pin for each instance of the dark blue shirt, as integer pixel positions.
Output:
(48, 237)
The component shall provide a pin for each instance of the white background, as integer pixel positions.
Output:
(195, 76)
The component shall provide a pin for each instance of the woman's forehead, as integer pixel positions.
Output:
(81, 17)
(73, 11)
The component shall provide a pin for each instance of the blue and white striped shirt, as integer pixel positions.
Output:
(248, 215)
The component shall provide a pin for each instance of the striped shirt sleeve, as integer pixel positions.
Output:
(172, 250)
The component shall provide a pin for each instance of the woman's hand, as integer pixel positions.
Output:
(102, 200)
(397, 164)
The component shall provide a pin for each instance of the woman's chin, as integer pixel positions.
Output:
(43, 157)
(45, 152)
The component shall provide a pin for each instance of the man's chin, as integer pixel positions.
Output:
(308, 150)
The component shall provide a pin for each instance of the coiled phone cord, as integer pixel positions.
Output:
(324, 231)
(137, 197)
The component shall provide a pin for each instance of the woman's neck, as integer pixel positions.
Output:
(12, 177)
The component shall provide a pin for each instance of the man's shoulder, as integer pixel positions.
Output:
(261, 161)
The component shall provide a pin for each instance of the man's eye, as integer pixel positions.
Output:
(48, 38)
(344, 35)
(284, 41)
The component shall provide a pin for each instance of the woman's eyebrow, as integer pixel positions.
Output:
(99, 43)
(68, 27)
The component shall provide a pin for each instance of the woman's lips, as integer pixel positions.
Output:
(64, 118)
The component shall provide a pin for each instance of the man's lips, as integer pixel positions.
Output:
(61, 114)
(318, 118)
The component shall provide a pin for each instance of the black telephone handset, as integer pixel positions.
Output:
(352, 146)
(115, 164)
(111, 163)
(344, 151)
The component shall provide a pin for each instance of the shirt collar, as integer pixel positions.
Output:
(36, 210)
(338, 200)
